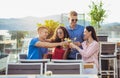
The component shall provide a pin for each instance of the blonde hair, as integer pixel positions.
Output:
(41, 28)
(73, 13)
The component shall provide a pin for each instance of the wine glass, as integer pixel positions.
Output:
(65, 46)
(66, 40)
(73, 40)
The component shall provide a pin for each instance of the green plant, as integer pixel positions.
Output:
(97, 14)
(51, 25)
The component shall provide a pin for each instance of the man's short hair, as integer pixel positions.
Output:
(73, 13)
(42, 27)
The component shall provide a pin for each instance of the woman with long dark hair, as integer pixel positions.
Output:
(59, 35)
(90, 50)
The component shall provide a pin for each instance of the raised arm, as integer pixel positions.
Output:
(49, 45)
(89, 51)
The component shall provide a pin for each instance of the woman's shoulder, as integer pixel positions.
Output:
(96, 43)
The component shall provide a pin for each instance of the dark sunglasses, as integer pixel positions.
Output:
(74, 20)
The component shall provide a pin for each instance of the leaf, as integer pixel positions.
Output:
(97, 13)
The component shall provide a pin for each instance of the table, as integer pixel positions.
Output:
(68, 76)
(17, 76)
(52, 76)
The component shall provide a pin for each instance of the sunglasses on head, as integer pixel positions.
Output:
(74, 20)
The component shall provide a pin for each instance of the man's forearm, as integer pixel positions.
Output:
(47, 44)
(50, 45)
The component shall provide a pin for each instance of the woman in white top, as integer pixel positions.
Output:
(90, 50)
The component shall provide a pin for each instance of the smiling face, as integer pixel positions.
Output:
(43, 33)
(60, 33)
(73, 20)
(87, 34)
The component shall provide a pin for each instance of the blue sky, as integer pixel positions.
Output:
(42, 8)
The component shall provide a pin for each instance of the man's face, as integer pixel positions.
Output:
(43, 33)
(73, 20)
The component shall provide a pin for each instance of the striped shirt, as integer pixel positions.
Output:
(90, 53)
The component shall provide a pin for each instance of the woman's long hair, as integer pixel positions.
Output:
(55, 37)
(93, 33)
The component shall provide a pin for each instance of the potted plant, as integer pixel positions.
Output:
(97, 15)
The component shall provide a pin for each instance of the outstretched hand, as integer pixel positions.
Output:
(69, 44)
(72, 45)
(64, 43)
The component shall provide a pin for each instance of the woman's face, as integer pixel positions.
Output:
(60, 33)
(87, 34)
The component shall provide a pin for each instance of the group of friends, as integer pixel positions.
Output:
(83, 41)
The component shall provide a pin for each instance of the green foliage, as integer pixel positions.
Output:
(97, 13)
(51, 25)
